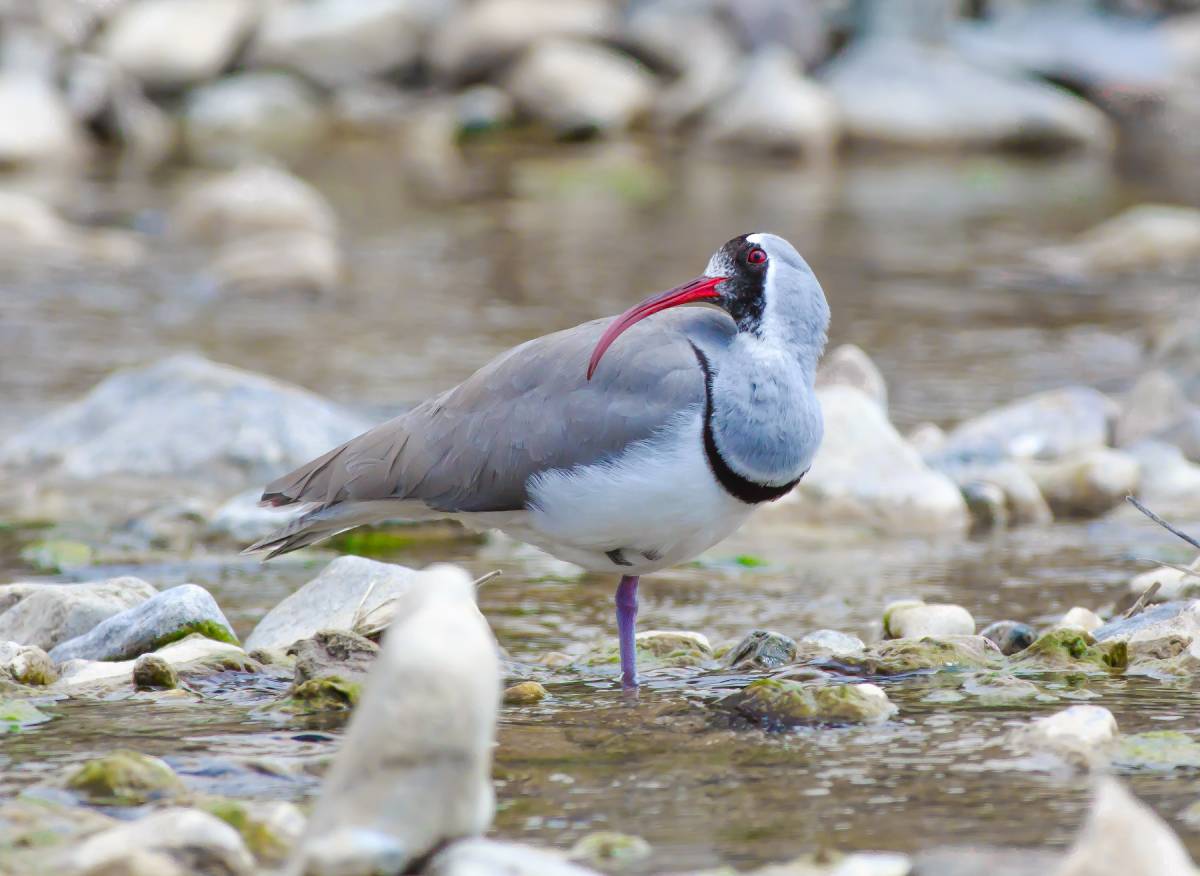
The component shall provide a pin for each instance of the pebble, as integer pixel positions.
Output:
(762, 649)
(785, 703)
(124, 778)
(26, 664)
(1076, 733)
(1010, 636)
(915, 619)
(1079, 618)
(524, 693)
(1086, 484)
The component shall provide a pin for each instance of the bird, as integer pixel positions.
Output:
(622, 445)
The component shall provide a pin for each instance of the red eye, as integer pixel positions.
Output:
(756, 257)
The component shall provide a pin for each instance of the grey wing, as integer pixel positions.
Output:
(475, 447)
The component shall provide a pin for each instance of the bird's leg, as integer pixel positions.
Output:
(627, 606)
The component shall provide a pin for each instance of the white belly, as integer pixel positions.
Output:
(658, 504)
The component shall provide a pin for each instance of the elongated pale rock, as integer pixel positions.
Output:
(910, 619)
(415, 765)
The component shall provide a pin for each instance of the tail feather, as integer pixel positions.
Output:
(328, 520)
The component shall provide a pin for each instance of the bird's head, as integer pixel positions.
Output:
(761, 282)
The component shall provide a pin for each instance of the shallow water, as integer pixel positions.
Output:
(921, 260)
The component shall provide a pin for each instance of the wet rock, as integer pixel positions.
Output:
(348, 588)
(1157, 750)
(44, 614)
(999, 492)
(1124, 837)
(164, 618)
(1073, 649)
(491, 32)
(1180, 619)
(329, 693)
(987, 504)
(1088, 483)
(871, 477)
(607, 848)
(580, 89)
(999, 689)
(1046, 426)
(902, 93)
(26, 664)
(1009, 636)
(269, 828)
(833, 642)
(18, 714)
(762, 649)
(415, 765)
(1153, 403)
(911, 619)
(524, 693)
(902, 656)
(1077, 733)
(32, 825)
(335, 42)
(849, 365)
(776, 110)
(153, 672)
(1145, 236)
(251, 115)
(1173, 583)
(193, 656)
(1080, 618)
(484, 857)
(267, 263)
(169, 44)
(124, 778)
(183, 416)
(1166, 480)
(36, 127)
(184, 837)
(784, 703)
(333, 652)
(32, 230)
(250, 201)
(657, 649)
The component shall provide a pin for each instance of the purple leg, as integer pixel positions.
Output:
(626, 618)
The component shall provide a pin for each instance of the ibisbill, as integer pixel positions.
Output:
(623, 445)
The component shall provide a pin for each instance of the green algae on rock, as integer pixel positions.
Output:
(1157, 750)
(998, 688)
(26, 664)
(57, 555)
(524, 693)
(153, 672)
(207, 628)
(17, 714)
(784, 703)
(657, 649)
(1072, 649)
(609, 848)
(903, 656)
(124, 778)
(270, 828)
(327, 694)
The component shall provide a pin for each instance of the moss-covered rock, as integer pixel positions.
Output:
(524, 693)
(26, 664)
(762, 649)
(124, 778)
(329, 653)
(18, 714)
(57, 555)
(657, 649)
(330, 693)
(269, 828)
(609, 849)
(1157, 750)
(1075, 650)
(904, 656)
(784, 703)
(207, 628)
(998, 688)
(153, 672)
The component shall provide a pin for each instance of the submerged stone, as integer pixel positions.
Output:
(1073, 649)
(784, 703)
(330, 693)
(1157, 750)
(124, 778)
(333, 653)
(999, 689)
(524, 693)
(269, 828)
(763, 649)
(1077, 733)
(1009, 636)
(152, 671)
(18, 714)
(902, 656)
(657, 649)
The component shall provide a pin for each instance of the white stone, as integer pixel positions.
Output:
(575, 87)
(249, 115)
(1087, 483)
(1124, 837)
(865, 474)
(1046, 426)
(873, 864)
(250, 201)
(273, 262)
(176, 43)
(1075, 733)
(837, 643)
(36, 127)
(45, 614)
(347, 589)
(1182, 620)
(1145, 236)
(1173, 583)
(490, 32)
(915, 620)
(335, 42)
(414, 768)
(1080, 618)
(30, 228)
(774, 109)
(190, 654)
(188, 417)
(898, 92)
(485, 857)
(849, 365)
(188, 833)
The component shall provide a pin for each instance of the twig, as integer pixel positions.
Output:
(1189, 573)
(490, 576)
(1168, 527)
(1140, 606)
